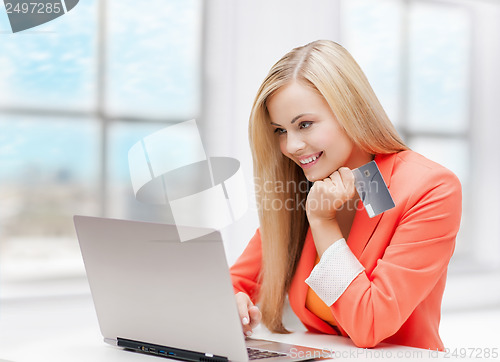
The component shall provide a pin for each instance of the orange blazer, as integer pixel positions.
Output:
(405, 252)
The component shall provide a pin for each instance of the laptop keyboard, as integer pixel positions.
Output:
(254, 353)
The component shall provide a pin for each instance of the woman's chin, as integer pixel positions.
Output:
(314, 178)
(318, 172)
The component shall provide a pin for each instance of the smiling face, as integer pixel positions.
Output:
(309, 134)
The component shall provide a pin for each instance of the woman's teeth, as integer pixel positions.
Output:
(309, 160)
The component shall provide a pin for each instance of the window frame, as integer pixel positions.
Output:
(470, 269)
(99, 112)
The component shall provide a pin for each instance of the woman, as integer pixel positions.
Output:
(315, 118)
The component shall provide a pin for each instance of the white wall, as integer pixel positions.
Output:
(477, 286)
(243, 40)
(486, 132)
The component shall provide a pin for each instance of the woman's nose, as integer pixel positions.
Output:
(294, 143)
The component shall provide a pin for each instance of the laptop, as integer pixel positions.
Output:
(157, 295)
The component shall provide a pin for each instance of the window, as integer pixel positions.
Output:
(433, 64)
(417, 56)
(77, 92)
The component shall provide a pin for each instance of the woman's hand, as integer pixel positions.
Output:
(328, 196)
(250, 314)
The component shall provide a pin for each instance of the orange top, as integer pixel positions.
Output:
(405, 252)
(316, 306)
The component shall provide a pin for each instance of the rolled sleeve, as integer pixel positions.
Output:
(337, 268)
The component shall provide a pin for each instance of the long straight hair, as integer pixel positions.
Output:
(281, 186)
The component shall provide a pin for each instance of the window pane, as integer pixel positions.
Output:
(52, 65)
(439, 68)
(122, 202)
(371, 33)
(48, 173)
(154, 58)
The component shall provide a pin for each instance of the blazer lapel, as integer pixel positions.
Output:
(363, 226)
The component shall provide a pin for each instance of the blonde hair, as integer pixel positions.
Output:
(329, 69)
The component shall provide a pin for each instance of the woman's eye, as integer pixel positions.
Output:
(279, 131)
(305, 124)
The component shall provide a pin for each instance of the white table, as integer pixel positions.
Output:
(65, 329)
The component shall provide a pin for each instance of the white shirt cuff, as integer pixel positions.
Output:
(337, 268)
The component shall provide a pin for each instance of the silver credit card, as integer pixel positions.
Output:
(372, 189)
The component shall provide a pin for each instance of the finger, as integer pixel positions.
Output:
(242, 301)
(340, 191)
(347, 177)
(316, 184)
(255, 316)
(335, 180)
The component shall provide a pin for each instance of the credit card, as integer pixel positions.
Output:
(372, 189)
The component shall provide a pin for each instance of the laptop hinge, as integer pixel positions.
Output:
(169, 352)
